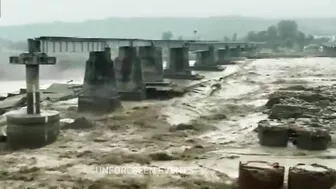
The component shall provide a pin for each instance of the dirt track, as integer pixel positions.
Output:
(202, 135)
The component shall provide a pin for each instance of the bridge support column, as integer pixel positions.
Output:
(34, 128)
(236, 52)
(252, 51)
(247, 51)
(129, 76)
(224, 57)
(99, 89)
(178, 65)
(207, 61)
(152, 67)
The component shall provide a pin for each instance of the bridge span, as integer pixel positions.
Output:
(137, 68)
(52, 44)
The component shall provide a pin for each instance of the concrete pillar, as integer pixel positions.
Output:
(178, 65)
(207, 61)
(151, 62)
(253, 50)
(244, 48)
(179, 60)
(223, 56)
(236, 52)
(129, 76)
(247, 51)
(206, 58)
(99, 88)
(34, 128)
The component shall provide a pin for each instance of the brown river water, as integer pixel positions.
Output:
(140, 146)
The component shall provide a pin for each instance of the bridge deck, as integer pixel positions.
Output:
(51, 44)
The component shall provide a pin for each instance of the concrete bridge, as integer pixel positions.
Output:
(209, 54)
(74, 44)
(138, 65)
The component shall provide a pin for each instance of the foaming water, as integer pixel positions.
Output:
(13, 86)
(236, 135)
(233, 141)
(11, 81)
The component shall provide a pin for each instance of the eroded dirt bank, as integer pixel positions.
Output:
(203, 135)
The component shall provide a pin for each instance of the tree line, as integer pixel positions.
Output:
(285, 33)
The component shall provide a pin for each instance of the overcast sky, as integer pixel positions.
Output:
(14, 12)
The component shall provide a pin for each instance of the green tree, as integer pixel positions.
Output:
(272, 33)
(261, 36)
(167, 35)
(251, 36)
(287, 29)
(288, 43)
(285, 33)
(301, 39)
(310, 38)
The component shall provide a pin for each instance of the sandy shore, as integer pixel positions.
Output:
(203, 152)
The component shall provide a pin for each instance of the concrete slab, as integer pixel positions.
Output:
(163, 83)
(55, 92)
(214, 68)
(21, 91)
(12, 102)
(182, 76)
(62, 87)
(227, 63)
(61, 91)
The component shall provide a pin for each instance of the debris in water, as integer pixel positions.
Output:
(161, 156)
(79, 123)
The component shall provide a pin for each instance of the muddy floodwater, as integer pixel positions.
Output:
(191, 142)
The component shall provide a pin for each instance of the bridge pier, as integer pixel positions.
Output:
(33, 128)
(236, 52)
(207, 61)
(129, 76)
(99, 89)
(152, 67)
(224, 56)
(178, 65)
(248, 51)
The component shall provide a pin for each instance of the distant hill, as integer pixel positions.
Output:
(152, 28)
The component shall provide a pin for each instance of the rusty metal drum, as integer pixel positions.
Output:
(312, 176)
(260, 175)
(309, 138)
(272, 135)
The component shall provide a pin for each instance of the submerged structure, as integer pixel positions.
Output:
(34, 127)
